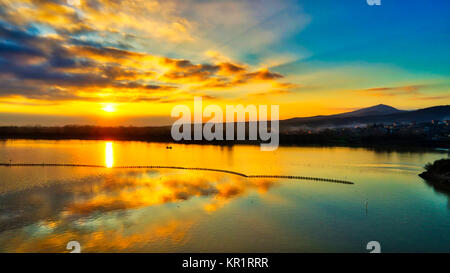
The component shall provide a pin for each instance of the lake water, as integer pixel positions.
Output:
(166, 210)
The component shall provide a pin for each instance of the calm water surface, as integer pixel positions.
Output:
(156, 210)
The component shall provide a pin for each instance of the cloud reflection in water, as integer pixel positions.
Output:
(117, 211)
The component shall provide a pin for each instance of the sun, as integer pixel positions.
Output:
(109, 107)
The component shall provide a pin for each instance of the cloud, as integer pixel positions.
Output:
(393, 91)
(433, 97)
(58, 67)
(270, 93)
(153, 19)
(228, 68)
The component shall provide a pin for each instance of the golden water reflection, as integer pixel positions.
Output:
(97, 208)
(109, 154)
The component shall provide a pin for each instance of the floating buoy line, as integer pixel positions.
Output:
(178, 168)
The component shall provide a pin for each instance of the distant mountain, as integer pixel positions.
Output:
(380, 109)
(376, 114)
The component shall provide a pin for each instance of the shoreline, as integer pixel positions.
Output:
(406, 147)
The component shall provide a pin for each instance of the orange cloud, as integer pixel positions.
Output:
(393, 91)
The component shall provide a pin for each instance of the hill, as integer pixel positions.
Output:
(383, 114)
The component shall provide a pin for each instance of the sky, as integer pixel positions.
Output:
(129, 62)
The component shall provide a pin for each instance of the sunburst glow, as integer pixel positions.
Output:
(109, 108)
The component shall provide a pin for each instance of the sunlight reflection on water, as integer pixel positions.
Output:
(109, 154)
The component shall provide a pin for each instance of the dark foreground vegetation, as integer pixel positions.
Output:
(438, 173)
(373, 135)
